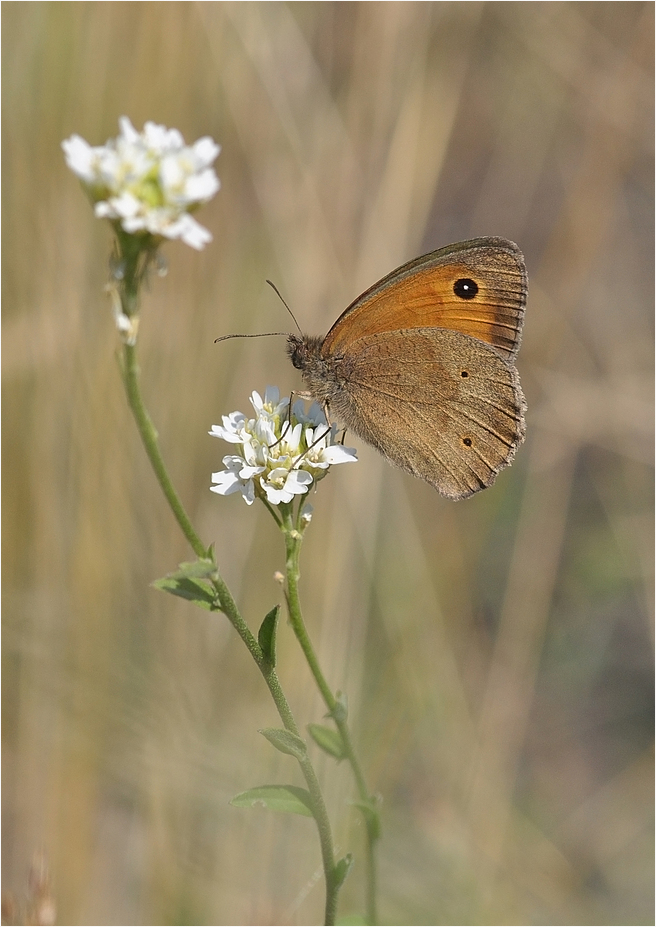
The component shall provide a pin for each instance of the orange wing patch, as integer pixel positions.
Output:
(423, 294)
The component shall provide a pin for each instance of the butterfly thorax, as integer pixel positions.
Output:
(319, 371)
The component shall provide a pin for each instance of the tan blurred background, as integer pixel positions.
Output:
(497, 653)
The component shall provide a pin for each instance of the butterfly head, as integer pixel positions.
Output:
(303, 350)
(318, 371)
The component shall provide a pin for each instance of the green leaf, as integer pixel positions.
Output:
(285, 741)
(196, 569)
(266, 636)
(190, 581)
(328, 739)
(200, 593)
(371, 816)
(342, 868)
(289, 799)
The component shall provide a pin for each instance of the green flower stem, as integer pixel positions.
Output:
(293, 539)
(225, 601)
(318, 804)
(134, 257)
(149, 437)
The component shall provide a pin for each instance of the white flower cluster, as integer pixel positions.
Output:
(279, 456)
(148, 181)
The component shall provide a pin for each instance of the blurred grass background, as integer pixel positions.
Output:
(497, 653)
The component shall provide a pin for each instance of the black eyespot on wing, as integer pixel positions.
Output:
(464, 373)
(465, 288)
(467, 442)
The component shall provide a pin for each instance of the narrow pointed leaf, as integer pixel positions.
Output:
(200, 593)
(328, 739)
(191, 581)
(285, 741)
(266, 636)
(342, 868)
(289, 799)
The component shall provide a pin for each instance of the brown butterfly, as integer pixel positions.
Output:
(421, 366)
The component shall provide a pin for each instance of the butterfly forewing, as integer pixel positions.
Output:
(477, 287)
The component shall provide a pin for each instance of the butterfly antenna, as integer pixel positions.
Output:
(256, 335)
(276, 290)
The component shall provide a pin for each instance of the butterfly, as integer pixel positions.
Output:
(421, 365)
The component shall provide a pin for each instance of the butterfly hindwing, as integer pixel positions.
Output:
(436, 403)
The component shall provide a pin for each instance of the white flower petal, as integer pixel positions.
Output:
(316, 437)
(125, 206)
(206, 151)
(292, 438)
(314, 416)
(128, 131)
(337, 453)
(298, 481)
(233, 428)
(171, 174)
(265, 432)
(272, 396)
(257, 401)
(226, 483)
(233, 462)
(278, 475)
(199, 188)
(81, 158)
(183, 227)
(275, 496)
(246, 473)
(248, 493)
